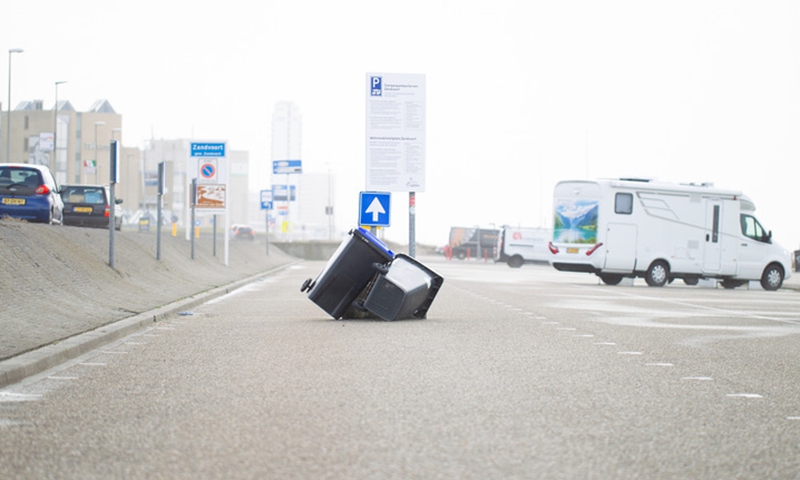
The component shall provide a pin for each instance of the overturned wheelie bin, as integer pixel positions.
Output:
(365, 279)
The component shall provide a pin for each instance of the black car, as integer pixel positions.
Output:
(89, 206)
(29, 192)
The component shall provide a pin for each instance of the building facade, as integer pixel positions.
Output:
(75, 145)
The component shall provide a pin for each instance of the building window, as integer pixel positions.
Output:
(623, 203)
(27, 122)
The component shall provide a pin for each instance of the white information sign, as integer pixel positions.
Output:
(395, 132)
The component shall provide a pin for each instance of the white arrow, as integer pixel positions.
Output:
(375, 208)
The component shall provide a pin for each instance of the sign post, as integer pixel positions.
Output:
(395, 138)
(194, 208)
(266, 205)
(112, 202)
(159, 210)
(211, 184)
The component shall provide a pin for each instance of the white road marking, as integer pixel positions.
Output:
(18, 397)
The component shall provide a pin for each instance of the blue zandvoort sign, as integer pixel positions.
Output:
(208, 149)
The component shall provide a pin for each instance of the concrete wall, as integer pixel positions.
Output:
(308, 250)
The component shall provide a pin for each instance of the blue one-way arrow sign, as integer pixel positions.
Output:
(374, 209)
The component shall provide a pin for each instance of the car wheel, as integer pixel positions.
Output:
(731, 284)
(611, 279)
(691, 280)
(515, 261)
(658, 274)
(772, 278)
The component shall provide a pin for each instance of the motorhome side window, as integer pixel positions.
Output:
(752, 229)
(623, 203)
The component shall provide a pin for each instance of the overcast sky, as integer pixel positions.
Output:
(520, 93)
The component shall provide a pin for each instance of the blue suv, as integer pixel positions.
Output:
(29, 192)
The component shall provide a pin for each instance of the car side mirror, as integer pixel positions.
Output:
(118, 201)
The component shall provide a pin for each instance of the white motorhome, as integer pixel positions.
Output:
(661, 231)
(519, 245)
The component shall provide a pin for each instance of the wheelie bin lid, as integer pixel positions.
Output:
(368, 237)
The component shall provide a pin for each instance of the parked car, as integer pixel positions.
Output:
(29, 192)
(243, 232)
(89, 206)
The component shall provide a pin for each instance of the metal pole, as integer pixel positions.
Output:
(160, 200)
(329, 208)
(194, 201)
(112, 181)
(288, 209)
(54, 161)
(412, 208)
(214, 233)
(158, 225)
(267, 217)
(8, 107)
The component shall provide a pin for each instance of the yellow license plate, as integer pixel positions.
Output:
(82, 209)
(13, 201)
(572, 250)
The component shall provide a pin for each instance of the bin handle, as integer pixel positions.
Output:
(381, 268)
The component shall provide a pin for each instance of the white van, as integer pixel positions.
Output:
(663, 231)
(519, 245)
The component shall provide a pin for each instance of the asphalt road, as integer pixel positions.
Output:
(516, 373)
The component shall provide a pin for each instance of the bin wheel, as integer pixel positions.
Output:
(306, 285)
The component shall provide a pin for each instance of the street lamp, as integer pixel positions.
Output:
(8, 107)
(54, 160)
(96, 159)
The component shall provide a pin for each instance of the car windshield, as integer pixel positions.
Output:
(84, 195)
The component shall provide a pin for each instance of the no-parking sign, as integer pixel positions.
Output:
(208, 171)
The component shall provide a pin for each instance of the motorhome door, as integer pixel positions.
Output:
(620, 247)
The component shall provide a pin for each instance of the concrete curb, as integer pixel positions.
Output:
(20, 367)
